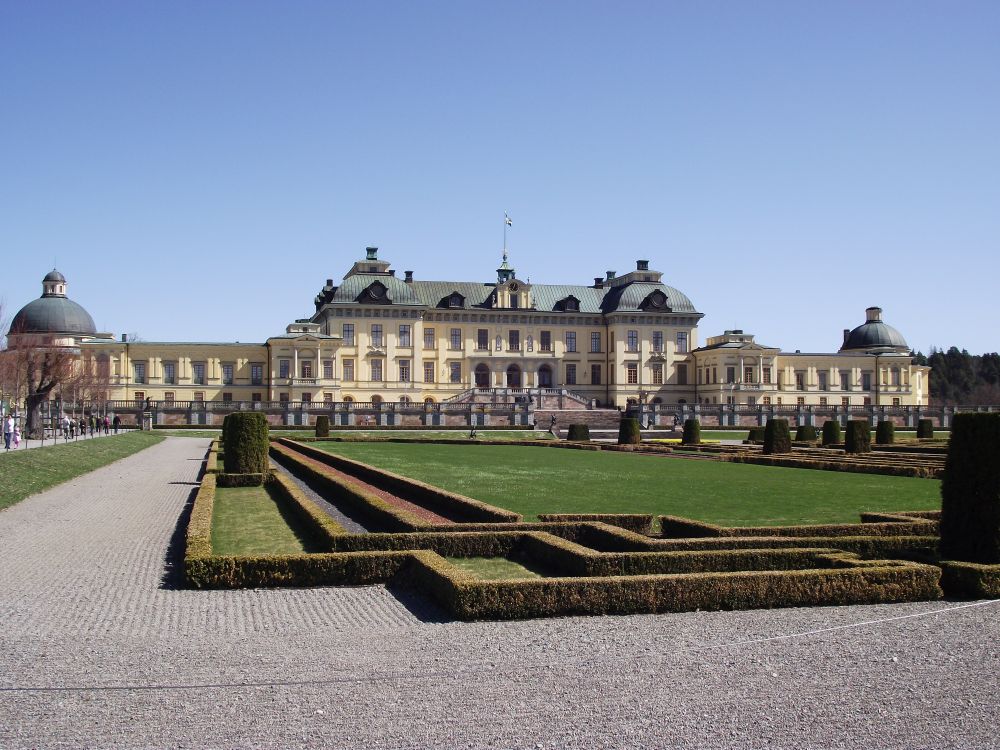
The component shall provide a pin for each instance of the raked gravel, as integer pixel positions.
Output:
(96, 651)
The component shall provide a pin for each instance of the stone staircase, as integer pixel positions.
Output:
(542, 398)
(595, 419)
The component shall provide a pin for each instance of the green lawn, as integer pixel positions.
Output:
(546, 480)
(26, 472)
(493, 568)
(247, 521)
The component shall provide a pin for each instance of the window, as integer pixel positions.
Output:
(256, 397)
(169, 373)
(168, 396)
(845, 380)
(867, 401)
(748, 375)
(766, 400)
(800, 380)
(377, 334)
(306, 368)
(140, 396)
(570, 374)
(283, 398)
(284, 367)
(227, 374)
(894, 376)
(657, 341)
(766, 375)
(428, 338)
(198, 369)
(328, 369)
(199, 395)
(327, 399)
(823, 381)
(730, 374)
(800, 400)
(751, 400)
(657, 374)
(404, 371)
(822, 401)
(455, 372)
(571, 341)
(866, 381)
(632, 373)
(845, 400)
(256, 374)
(139, 372)
(227, 397)
(456, 338)
(513, 341)
(482, 339)
(348, 369)
(682, 374)
(545, 341)
(682, 342)
(428, 372)
(633, 341)
(895, 402)
(595, 341)
(404, 335)
(348, 334)
(515, 301)
(307, 398)
(376, 366)
(595, 374)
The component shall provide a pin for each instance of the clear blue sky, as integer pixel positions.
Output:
(197, 170)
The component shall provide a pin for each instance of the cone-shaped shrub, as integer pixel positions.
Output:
(831, 432)
(692, 432)
(322, 426)
(859, 437)
(970, 491)
(777, 437)
(925, 428)
(756, 434)
(885, 433)
(246, 443)
(805, 432)
(579, 432)
(628, 432)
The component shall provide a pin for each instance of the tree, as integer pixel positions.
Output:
(33, 374)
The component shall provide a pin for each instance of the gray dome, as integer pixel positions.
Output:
(53, 314)
(54, 275)
(874, 334)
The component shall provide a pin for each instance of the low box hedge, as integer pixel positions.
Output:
(858, 437)
(970, 580)
(805, 433)
(925, 429)
(640, 523)
(756, 435)
(224, 479)
(578, 432)
(831, 432)
(885, 432)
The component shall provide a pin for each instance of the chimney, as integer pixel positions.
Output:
(611, 275)
(372, 253)
(409, 277)
(598, 281)
(847, 332)
(329, 282)
(124, 337)
(642, 265)
(873, 314)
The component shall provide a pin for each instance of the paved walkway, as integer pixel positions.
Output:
(28, 444)
(96, 652)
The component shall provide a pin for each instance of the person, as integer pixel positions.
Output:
(8, 431)
(116, 423)
(65, 427)
(83, 427)
(472, 432)
(17, 435)
(107, 424)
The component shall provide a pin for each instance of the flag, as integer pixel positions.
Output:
(507, 221)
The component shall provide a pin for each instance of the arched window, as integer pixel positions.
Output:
(513, 376)
(482, 376)
(544, 376)
(404, 399)
(348, 399)
(376, 399)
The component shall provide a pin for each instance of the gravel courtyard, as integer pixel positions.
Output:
(99, 649)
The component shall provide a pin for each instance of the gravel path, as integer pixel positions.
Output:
(348, 523)
(95, 652)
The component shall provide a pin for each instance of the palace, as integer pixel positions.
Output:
(378, 338)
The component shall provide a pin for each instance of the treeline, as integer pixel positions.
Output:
(958, 377)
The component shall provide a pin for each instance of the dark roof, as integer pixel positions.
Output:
(54, 275)
(53, 314)
(874, 334)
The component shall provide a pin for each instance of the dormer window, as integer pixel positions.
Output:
(655, 301)
(569, 304)
(375, 292)
(455, 300)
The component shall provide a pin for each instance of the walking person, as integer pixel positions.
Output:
(116, 423)
(17, 435)
(8, 431)
(107, 425)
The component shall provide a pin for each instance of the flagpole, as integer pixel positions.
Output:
(505, 233)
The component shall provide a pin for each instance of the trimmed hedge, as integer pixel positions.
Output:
(805, 432)
(925, 429)
(322, 426)
(907, 526)
(224, 479)
(245, 442)
(628, 432)
(831, 432)
(972, 580)
(777, 438)
(578, 432)
(858, 438)
(970, 491)
(692, 432)
(756, 435)
(822, 464)
(640, 523)
(885, 432)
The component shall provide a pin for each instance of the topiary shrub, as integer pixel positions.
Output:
(628, 432)
(831, 432)
(858, 438)
(777, 437)
(578, 432)
(246, 443)
(925, 429)
(756, 435)
(692, 432)
(322, 426)
(885, 433)
(970, 491)
(805, 432)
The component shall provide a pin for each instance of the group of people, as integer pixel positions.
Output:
(11, 432)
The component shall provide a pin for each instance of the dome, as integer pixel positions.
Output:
(874, 334)
(53, 312)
